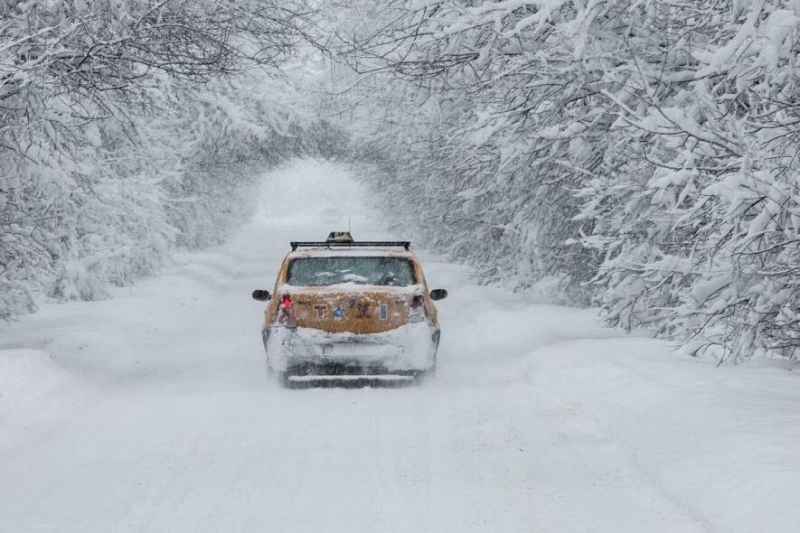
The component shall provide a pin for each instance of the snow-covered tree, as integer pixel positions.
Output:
(642, 155)
(128, 127)
(697, 213)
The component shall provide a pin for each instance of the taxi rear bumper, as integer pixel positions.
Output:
(407, 350)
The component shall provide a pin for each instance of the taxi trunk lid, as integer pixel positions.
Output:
(361, 310)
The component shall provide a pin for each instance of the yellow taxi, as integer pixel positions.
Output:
(343, 309)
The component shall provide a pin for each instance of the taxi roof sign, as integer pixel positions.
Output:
(339, 236)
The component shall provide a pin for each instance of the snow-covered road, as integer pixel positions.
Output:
(151, 412)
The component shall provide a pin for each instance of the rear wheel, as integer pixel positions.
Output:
(425, 375)
(280, 377)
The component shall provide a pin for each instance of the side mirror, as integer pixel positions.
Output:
(438, 294)
(261, 296)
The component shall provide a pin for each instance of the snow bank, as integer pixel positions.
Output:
(26, 376)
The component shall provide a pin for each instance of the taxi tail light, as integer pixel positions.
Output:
(286, 316)
(417, 311)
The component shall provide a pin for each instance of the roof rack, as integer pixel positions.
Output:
(345, 244)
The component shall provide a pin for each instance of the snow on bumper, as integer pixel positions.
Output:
(411, 347)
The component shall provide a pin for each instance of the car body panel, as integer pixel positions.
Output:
(356, 310)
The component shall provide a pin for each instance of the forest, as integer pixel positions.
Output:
(637, 156)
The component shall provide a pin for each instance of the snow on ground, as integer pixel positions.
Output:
(150, 412)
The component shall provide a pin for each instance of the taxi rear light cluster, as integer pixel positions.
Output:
(416, 310)
(286, 316)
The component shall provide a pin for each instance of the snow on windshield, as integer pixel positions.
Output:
(362, 270)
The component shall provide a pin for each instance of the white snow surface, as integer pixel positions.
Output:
(151, 412)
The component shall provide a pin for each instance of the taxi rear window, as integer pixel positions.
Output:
(366, 270)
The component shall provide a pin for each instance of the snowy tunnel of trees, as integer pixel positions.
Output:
(130, 127)
(637, 155)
